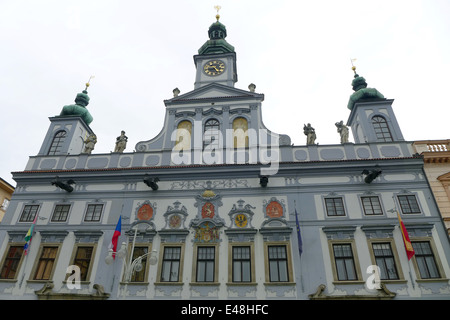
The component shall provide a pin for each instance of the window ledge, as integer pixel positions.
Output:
(279, 283)
(237, 284)
(204, 284)
(432, 280)
(349, 282)
(169, 283)
(134, 283)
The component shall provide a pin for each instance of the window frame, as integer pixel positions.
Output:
(394, 256)
(356, 263)
(436, 259)
(241, 261)
(57, 143)
(100, 215)
(195, 269)
(54, 212)
(210, 130)
(381, 128)
(88, 269)
(181, 245)
(28, 218)
(289, 264)
(170, 261)
(362, 197)
(341, 198)
(16, 262)
(417, 204)
(33, 274)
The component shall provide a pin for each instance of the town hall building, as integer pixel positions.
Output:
(217, 206)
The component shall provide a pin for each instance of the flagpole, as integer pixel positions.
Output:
(28, 244)
(401, 225)
(298, 240)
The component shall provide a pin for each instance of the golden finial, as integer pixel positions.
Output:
(218, 9)
(353, 67)
(88, 83)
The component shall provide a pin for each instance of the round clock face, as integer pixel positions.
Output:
(214, 67)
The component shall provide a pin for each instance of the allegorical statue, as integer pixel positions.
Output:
(310, 133)
(89, 143)
(121, 142)
(343, 131)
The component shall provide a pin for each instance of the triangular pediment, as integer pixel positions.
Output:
(214, 91)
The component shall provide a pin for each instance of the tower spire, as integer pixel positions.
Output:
(217, 7)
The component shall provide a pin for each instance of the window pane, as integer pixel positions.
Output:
(278, 263)
(57, 143)
(425, 260)
(9, 269)
(345, 265)
(45, 264)
(171, 264)
(409, 204)
(29, 213)
(205, 264)
(371, 205)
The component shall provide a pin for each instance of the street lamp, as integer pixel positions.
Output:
(132, 265)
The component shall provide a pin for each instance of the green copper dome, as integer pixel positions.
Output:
(359, 85)
(79, 108)
(216, 43)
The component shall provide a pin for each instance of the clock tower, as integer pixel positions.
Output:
(216, 59)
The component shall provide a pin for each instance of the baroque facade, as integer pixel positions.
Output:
(436, 155)
(208, 208)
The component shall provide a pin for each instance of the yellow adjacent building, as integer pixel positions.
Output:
(436, 154)
(6, 191)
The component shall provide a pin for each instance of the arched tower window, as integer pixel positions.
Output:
(183, 139)
(381, 129)
(240, 133)
(57, 142)
(211, 134)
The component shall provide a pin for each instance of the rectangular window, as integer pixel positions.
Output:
(205, 264)
(11, 264)
(82, 259)
(371, 205)
(29, 213)
(345, 264)
(46, 263)
(171, 264)
(60, 213)
(335, 207)
(93, 212)
(278, 264)
(5, 204)
(408, 204)
(241, 264)
(384, 258)
(139, 275)
(425, 260)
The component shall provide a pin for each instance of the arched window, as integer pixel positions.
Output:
(211, 134)
(57, 143)
(381, 129)
(183, 139)
(240, 133)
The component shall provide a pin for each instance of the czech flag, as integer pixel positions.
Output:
(408, 246)
(115, 237)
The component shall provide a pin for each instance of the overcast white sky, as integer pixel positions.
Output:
(296, 52)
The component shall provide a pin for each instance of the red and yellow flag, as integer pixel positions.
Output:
(408, 246)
